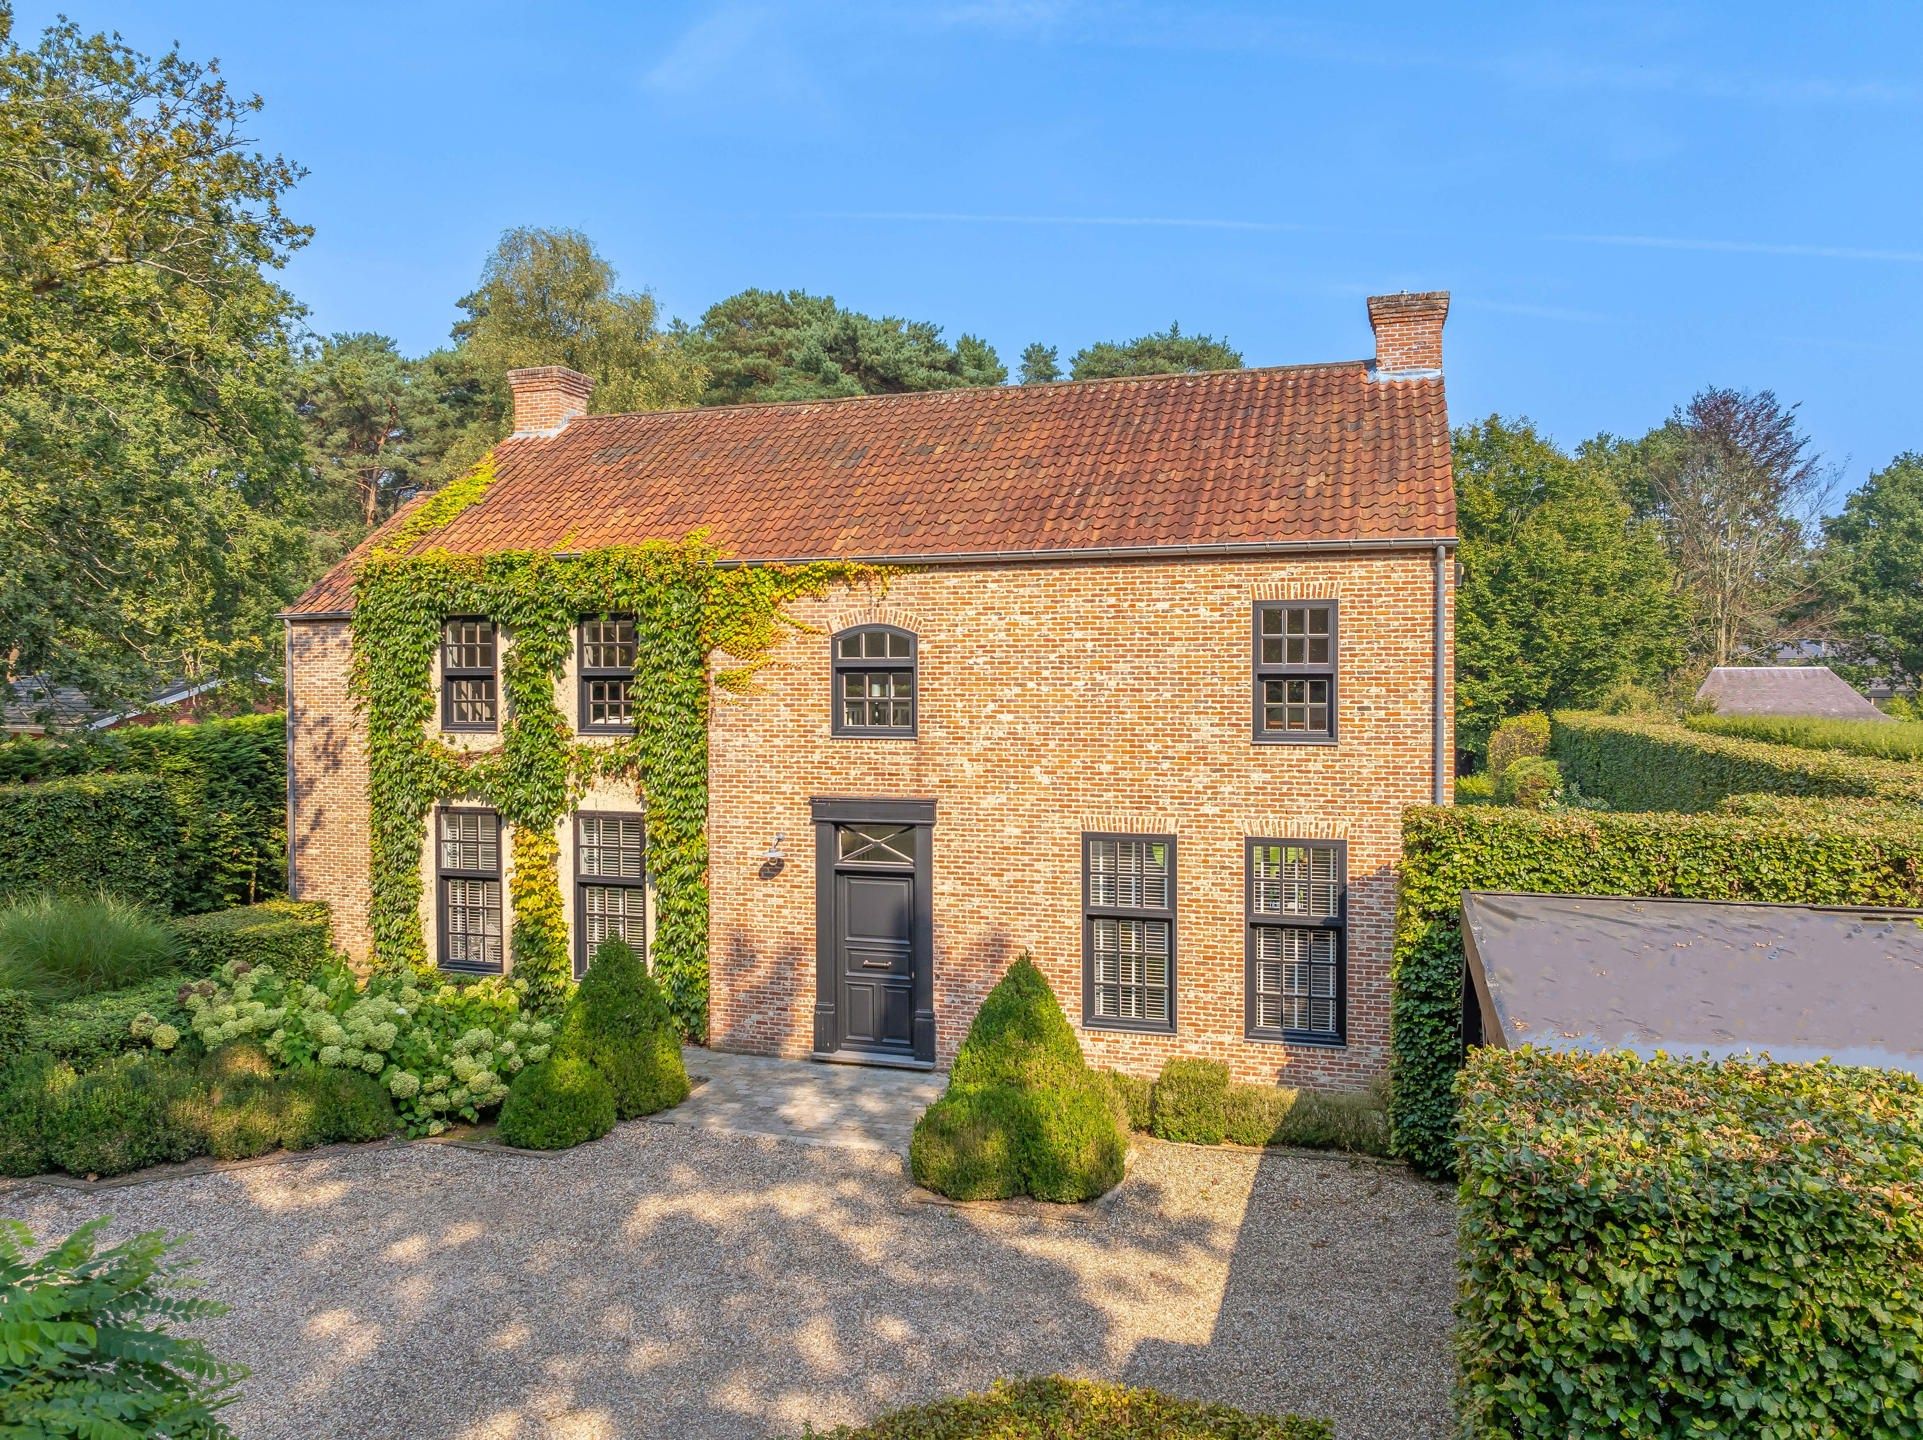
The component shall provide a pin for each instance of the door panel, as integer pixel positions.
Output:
(874, 916)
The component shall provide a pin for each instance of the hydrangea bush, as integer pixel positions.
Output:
(444, 1051)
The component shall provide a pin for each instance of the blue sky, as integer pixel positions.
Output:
(1628, 202)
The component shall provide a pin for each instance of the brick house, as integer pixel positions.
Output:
(1165, 662)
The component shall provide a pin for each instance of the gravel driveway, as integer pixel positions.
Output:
(669, 1281)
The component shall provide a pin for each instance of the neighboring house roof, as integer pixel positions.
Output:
(1581, 972)
(34, 705)
(1312, 455)
(1785, 690)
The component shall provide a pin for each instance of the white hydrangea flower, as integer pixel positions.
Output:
(404, 1085)
(373, 1061)
(165, 1037)
(330, 1055)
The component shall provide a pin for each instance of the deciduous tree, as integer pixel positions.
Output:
(1872, 569)
(151, 488)
(1564, 593)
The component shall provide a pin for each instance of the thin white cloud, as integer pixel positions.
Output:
(1169, 222)
(1748, 247)
(736, 49)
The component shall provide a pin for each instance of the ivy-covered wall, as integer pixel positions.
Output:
(687, 606)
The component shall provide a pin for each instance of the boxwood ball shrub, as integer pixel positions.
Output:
(1052, 1408)
(1530, 782)
(560, 1103)
(1190, 1102)
(125, 1115)
(1662, 1248)
(619, 1022)
(1023, 1113)
(30, 1089)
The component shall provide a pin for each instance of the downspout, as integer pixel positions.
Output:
(287, 681)
(1440, 793)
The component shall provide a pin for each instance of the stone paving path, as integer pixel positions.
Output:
(846, 1107)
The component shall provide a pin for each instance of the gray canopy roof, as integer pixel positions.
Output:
(1583, 972)
(1785, 690)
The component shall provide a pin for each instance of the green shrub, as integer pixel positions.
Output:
(1073, 1146)
(1052, 1408)
(557, 1104)
(88, 1347)
(30, 1090)
(57, 947)
(293, 936)
(1133, 1092)
(1531, 783)
(1517, 738)
(328, 1107)
(1190, 1103)
(1356, 1121)
(1479, 789)
(1626, 697)
(1674, 1247)
(1019, 1032)
(126, 1115)
(619, 1022)
(968, 1144)
(113, 833)
(1799, 859)
(225, 794)
(1638, 764)
(88, 1030)
(1883, 739)
(16, 1025)
(1023, 1113)
(1252, 1114)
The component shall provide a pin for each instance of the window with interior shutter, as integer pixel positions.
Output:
(1128, 927)
(1297, 932)
(611, 879)
(468, 871)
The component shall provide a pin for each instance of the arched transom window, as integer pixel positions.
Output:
(874, 677)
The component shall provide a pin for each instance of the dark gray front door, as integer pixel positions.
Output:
(875, 933)
(875, 936)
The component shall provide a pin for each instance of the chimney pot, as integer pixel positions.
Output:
(1408, 333)
(546, 397)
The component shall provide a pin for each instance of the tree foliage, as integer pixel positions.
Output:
(367, 412)
(150, 484)
(89, 1344)
(1160, 352)
(1564, 593)
(1733, 487)
(790, 345)
(1872, 573)
(1040, 364)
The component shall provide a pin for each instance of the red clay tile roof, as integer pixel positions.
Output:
(1297, 455)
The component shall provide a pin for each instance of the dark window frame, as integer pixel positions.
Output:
(442, 874)
(1254, 920)
(452, 673)
(1261, 673)
(584, 881)
(1092, 912)
(838, 666)
(586, 674)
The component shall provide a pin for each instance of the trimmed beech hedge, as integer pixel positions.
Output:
(226, 781)
(119, 833)
(1794, 858)
(1638, 764)
(293, 936)
(1661, 1248)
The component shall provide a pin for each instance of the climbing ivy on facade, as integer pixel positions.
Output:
(687, 607)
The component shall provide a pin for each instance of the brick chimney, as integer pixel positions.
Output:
(1408, 333)
(548, 396)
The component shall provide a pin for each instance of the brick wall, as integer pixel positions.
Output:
(327, 832)
(1063, 698)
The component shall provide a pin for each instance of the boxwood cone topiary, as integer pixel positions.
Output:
(1190, 1102)
(619, 1022)
(559, 1103)
(1024, 1113)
